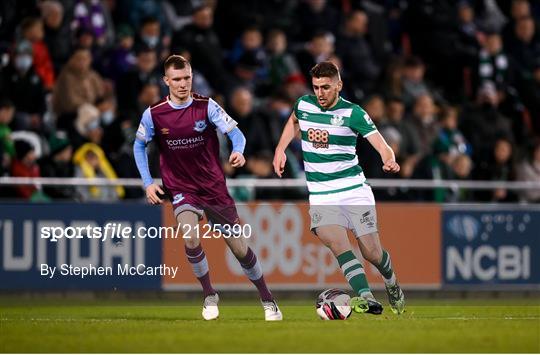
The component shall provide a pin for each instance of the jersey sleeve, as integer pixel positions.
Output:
(145, 132)
(361, 122)
(295, 107)
(220, 118)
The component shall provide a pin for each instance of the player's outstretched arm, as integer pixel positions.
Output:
(387, 154)
(290, 130)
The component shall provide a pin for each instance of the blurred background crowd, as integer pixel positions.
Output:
(453, 86)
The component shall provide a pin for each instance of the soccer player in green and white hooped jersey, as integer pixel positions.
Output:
(339, 197)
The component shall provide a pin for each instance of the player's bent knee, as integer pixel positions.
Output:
(187, 217)
(192, 242)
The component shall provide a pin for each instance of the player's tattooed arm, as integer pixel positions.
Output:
(387, 154)
(291, 130)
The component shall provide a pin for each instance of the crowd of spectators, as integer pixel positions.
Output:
(453, 86)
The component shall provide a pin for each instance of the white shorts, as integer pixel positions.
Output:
(353, 209)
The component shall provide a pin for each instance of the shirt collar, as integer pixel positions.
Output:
(176, 106)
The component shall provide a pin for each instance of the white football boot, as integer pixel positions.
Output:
(210, 309)
(271, 311)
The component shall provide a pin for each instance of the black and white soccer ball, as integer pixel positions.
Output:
(334, 304)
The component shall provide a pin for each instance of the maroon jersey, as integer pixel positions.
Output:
(189, 146)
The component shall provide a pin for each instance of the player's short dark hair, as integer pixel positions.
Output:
(324, 70)
(176, 61)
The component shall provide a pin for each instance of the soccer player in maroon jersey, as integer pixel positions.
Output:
(184, 124)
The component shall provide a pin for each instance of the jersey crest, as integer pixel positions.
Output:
(337, 120)
(200, 125)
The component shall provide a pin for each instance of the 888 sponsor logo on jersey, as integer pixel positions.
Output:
(319, 137)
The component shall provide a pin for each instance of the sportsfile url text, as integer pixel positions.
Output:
(119, 232)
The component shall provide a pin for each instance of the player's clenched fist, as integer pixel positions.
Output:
(237, 160)
(391, 166)
(152, 194)
(279, 162)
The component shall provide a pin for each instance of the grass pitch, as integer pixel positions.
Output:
(74, 326)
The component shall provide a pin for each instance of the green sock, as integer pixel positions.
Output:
(354, 272)
(385, 266)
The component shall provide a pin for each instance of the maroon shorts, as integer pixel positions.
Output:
(218, 210)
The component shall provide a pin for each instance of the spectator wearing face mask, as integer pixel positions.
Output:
(149, 36)
(111, 124)
(21, 84)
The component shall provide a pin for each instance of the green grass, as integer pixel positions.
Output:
(74, 326)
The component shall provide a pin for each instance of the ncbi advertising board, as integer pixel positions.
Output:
(491, 246)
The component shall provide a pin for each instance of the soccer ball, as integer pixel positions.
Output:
(333, 304)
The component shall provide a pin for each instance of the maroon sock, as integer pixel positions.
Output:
(253, 271)
(199, 264)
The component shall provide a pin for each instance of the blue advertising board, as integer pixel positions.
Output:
(89, 246)
(491, 246)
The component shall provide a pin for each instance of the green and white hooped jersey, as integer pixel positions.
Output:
(329, 144)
